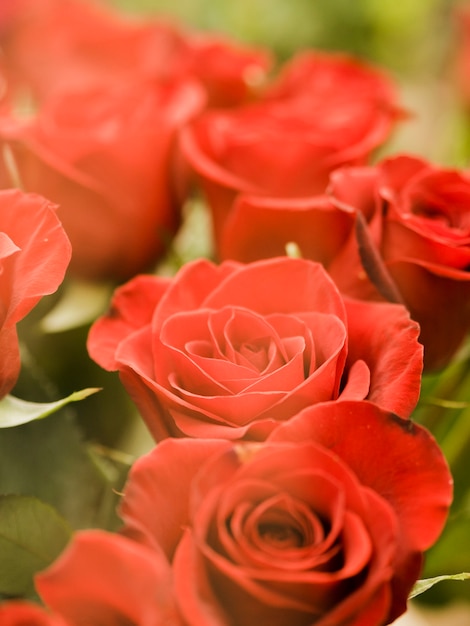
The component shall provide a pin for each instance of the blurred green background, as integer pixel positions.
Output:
(406, 36)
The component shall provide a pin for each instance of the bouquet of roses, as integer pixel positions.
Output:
(237, 269)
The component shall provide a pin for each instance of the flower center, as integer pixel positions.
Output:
(280, 535)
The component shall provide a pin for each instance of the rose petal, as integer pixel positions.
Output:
(259, 227)
(132, 307)
(149, 509)
(409, 469)
(106, 577)
(391, 352)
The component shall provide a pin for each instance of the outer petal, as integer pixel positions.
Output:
(34, 255)
(18, 613)
(151, 511)
(108, 579)
(279, 285)
(392, 352)
(132, 307)
(396, 458)
(440, 302)
(259, 227)
(136, 371)
(32, 225)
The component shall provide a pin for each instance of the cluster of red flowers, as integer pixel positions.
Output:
(289, 486)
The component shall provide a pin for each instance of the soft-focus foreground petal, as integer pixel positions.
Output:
(106, 579)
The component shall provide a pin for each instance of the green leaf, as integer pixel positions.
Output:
(423, 585)
(50, 459)
(448, 404)
(32, 535)
(14, 411)
(81, 302)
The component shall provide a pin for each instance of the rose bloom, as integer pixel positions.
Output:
(92, 105)
(415, 250)
(105, 157)
(417, 240)
(34, 255)
(321, 112)
(18, 613)
(325, 524)
(56, 45)
(233, 350)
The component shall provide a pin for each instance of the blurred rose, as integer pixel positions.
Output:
(231, 73)
(61, 45)
(105, 157)
(51, 46)
(34, 255)
(325, 523)
(233, 350)
(418, 228)
(18, 613)
(323, 111)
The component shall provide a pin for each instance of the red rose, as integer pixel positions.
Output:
(54, 45)
(18, 613)
(57, 45)
(233, 350)
(34, 255)
(104, 156)
(325, 524)
(418, 224)
(323, 111)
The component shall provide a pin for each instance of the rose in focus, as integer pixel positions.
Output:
(259, 228)
(414, 242)
(322, 111)
(34, 255)
(325, 523)
(233, 350)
